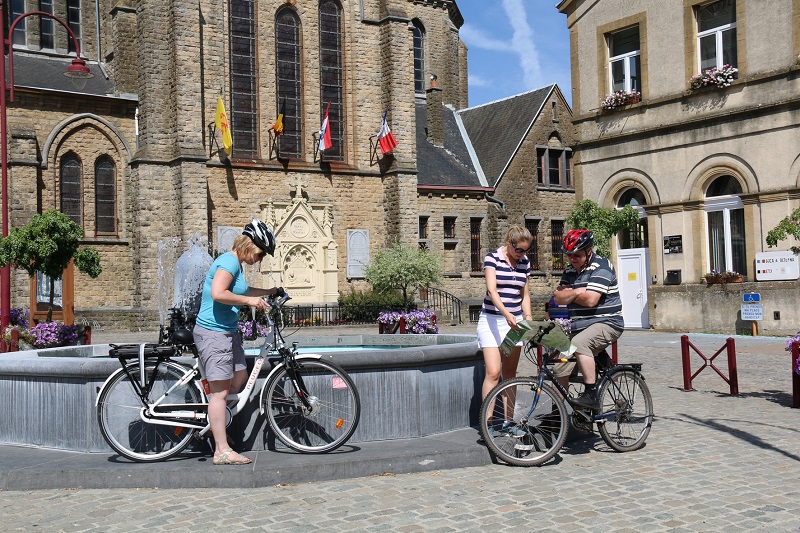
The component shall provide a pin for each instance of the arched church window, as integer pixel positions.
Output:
(105, 199)
(725, 226)
(419, 56)
(74, 23)
(635, 237)
(70, 187)
(243, 109)
(287, 79)
(330, 74)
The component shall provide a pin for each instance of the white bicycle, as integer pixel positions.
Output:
(153, 407)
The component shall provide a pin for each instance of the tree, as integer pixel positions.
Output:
(604, 223)
(788, 227)
(403, 267)
(47, 245)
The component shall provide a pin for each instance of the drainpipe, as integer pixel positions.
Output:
(492, 199)
(97, 34)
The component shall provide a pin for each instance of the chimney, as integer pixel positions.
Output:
(435, 124)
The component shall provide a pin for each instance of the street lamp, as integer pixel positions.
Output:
(77, 71)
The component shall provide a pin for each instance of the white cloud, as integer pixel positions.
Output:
(476, 80)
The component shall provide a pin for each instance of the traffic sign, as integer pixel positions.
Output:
(751, 297)
(752, 312)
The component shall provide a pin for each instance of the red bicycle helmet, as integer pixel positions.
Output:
(577, 240)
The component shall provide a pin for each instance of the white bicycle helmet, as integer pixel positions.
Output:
(261, 235)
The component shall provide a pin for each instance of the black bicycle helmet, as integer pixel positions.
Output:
(261, 235)
(577, 240)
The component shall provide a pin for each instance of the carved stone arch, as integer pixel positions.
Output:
(714, 166)
(625, 179)
(554, 140)
(71, 124)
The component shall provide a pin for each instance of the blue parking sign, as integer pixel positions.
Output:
(751, 297)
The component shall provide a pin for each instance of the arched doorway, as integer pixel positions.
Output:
(725, 226)
(633, 266)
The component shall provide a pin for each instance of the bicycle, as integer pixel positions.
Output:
(154, 406)
(540, 421)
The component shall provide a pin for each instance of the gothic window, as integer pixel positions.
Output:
(624, 60)
(635, 237)
(105, 195)
(330, 74)
(74, 22)
(288, 75)
(716, 34)
(419, 56)
(15, 9)
(476, 260)
(46, 25)
(725, 226)
(242, 114)
(532, 225)
(70, 180)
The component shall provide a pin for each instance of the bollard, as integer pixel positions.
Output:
(732, 380)
(732, 372)
(795, 376)
(14, 340)
(687, 371)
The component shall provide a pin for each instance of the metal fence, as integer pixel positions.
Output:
(333, 315)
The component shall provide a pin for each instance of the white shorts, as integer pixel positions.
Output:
(492, 330)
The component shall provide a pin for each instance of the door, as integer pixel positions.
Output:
(633, 274)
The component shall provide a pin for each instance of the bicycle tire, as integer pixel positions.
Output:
(534, 437)
(336, 407)
(626, 410)
(119, 414)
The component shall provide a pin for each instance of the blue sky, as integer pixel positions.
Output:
(514, 46)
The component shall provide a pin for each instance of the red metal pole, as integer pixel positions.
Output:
(687, 371)
(539, 355)
(614, 353)
(795, 377)
(733, 374)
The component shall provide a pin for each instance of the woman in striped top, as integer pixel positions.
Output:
(507, 301)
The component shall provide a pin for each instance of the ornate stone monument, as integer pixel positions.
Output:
(305, 261)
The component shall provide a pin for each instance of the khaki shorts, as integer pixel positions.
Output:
(590, 341)
(221, 352)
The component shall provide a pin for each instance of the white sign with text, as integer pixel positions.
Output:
(772, 266)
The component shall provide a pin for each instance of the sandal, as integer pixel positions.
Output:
(231, 458)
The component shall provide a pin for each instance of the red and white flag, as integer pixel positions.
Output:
(325, 132)
(385, 137)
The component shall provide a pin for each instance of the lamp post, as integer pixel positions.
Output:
(77, 70)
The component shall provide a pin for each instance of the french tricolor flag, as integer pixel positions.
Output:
(385, 137)
(325, 132)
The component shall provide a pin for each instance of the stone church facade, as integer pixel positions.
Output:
(133, 156)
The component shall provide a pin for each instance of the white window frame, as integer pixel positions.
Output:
(725, 204)
(718, 31)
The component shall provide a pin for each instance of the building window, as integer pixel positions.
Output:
(46, 26)
(532, 225)
(556, 241)
(419, 56)
(70, 194)
(330, 72)
(634, 237)
(716, 34)
(287, 53)
(74, 23)
(15, 9)
(725, 226)
(105, 200)
(475, 258)
(624, 60)
(423, 227)
(554, 167)
(449, 227)
(244, 121)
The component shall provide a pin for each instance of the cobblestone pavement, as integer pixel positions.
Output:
(713, 462)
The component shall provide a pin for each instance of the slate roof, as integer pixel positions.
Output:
(448, 166)
(46, 72)
(495, 130)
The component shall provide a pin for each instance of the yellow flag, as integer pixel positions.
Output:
(221, 120)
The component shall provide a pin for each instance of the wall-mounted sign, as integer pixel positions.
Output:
(752, 312)
(772, 266)
(357, 252)
(673, 244)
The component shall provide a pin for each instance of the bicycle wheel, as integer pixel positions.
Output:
(626, 410)
(535, 434)
(119, 413)
(333, 415)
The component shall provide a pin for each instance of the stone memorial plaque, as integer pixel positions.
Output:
(357, 252)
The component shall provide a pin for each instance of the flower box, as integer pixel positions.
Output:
(620, 99)
(713, 77)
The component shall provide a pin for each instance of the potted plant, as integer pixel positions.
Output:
(732, 277)
(714, 77)
(619, 99)
(713, 277)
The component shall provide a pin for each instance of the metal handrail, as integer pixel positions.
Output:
(443, 301)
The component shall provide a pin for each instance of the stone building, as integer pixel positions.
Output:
(134, 156)
(711, 165)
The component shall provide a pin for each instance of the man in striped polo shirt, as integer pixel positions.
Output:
(589, 289)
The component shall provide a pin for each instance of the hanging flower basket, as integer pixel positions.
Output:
(713, 77)
(620, 99)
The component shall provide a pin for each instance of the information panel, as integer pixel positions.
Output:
(773, 266)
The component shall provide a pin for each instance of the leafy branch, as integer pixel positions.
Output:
(604, 223)
(788, 227)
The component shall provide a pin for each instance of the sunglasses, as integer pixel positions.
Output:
(519, 250)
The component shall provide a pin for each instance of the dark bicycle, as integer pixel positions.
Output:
(540, 421)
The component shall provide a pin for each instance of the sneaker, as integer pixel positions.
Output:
(511, 429)
(589, 400)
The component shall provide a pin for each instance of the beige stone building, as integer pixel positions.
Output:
(135, 159)
(712, 166)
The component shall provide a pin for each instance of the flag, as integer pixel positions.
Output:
(325, 132)
(385, 137)
(221, 120)
(278, 126)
